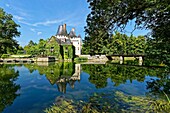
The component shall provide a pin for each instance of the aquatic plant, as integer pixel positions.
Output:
(111, 102)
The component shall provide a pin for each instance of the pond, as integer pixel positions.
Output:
(38, 87)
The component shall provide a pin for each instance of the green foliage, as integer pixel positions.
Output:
(58, 73)
(68, 51)
(158, 50)
(50, 48)
(8, 32)
(152, 15)
(120, 44)
(85, 49)
(41, 47)
(64, 107)
(5, 56)
(120, 102)
(80, 59)
(54, 71)
(120, 74)
(53, 48)
(110, 102)
(31, 48)
(19, 52)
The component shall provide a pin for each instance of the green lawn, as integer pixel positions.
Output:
(20, 56)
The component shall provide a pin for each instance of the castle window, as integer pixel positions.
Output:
(66, 48)
(52, 49)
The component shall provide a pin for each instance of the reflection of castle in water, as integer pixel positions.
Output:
(64, 79)
(67, 76)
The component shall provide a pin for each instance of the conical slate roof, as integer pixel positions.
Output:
(62, 30)
(72, 33)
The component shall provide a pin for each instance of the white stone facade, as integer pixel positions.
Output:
(76, 41)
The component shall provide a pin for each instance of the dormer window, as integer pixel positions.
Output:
(63, 39)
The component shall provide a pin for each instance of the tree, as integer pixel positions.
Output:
(97, 34)
(31, 43)
(41, 46)
(20, 50)
(8, 32)
(153, 15)
(31, 48)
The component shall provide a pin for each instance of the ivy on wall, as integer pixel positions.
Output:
(59, 51)
(68, 51)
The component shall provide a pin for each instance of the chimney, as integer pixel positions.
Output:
(64, 29)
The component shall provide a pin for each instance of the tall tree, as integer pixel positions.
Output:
(31, 48)
(153, 15)
(41, 46)
(8, 32)
(97, 34)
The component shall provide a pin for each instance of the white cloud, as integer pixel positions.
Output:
(33, 30)
(7, 5)
(19, 18)
(46, 23)
(39, 33)
(75, 24)
(26, 23)
(68, 20)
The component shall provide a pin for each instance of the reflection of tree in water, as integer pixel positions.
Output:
(120, 74)
(161, 86)
(8, 89)
(61, 74)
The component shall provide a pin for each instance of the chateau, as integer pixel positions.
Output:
(64, 37)
(64, 45)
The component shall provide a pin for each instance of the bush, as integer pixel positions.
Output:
(5, 56)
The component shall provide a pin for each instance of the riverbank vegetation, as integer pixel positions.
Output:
(110, 102)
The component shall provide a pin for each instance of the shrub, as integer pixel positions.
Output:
(5, 56)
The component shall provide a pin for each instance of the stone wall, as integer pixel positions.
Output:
(45, 59)
(95, 57)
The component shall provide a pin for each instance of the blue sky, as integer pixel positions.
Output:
(41, 18)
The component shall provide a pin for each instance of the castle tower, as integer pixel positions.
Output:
(75, 40)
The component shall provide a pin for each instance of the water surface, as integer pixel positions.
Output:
(31, 88)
